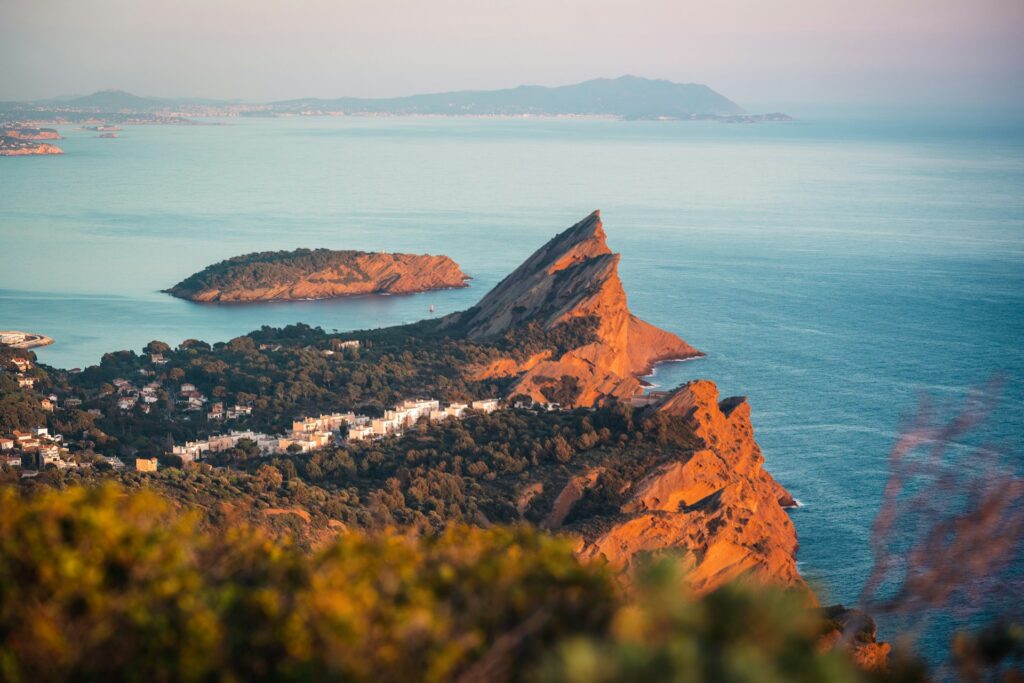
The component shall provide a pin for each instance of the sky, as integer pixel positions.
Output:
(899, 53)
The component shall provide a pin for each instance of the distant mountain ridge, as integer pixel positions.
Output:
(626, 97)
(113, 100)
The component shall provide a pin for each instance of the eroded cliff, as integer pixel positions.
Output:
(716, 503)
(713, 503)
(573, 276)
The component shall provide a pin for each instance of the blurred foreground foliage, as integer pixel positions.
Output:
(100, 584)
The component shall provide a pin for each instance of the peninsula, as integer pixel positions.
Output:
(21, 147)
(16, 339)
(305, 274)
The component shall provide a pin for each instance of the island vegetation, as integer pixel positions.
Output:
(318, 274)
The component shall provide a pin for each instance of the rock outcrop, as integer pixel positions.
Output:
(318, 274)
(22, 147)
(575, 275)
(31, 133)
(717, 503)
(856, 632)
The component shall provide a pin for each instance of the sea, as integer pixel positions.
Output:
(836, 271)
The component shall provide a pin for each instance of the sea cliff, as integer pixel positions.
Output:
(713, 501)
(318, 274)
(574, 276)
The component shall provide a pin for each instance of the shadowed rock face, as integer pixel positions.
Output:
(716, 503)
(572, 276)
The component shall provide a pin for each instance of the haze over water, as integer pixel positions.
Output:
(834, 272)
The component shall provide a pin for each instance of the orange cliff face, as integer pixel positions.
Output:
(575, 275)
(15, 147)
(716, 503)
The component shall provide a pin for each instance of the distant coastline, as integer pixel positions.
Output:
(625, 98)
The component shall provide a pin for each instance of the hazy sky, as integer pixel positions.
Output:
(876, 52)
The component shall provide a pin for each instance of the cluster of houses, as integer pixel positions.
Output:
(37, 449)
(189, 399)
(313, 433)
(34, 448)
(21, 365)
(130, 396)
(217, 412)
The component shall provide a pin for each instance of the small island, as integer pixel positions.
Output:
(305, 274)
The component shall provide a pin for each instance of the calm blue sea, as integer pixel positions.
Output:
(834, 271)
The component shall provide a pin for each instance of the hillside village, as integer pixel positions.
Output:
(310, 434)
(36, 448)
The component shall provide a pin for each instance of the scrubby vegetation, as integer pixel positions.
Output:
(267, 270)
(469, 471)
(99, 585)
(270, 268)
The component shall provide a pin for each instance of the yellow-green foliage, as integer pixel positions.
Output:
(99, 584)
(96, 583)
(738, 633)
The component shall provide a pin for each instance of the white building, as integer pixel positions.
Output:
(487, 405)
(238, 411)
(456, 409)
(383, 426)
(191, 450)
(359, 433)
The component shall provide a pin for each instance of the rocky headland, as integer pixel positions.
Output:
(713, 501)
(318, 274)
(574, 277)
(710, 500)
(713, 504)
(21, 147)
(30, 133)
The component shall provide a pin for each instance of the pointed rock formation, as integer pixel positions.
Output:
(573, 276)
(717, 503)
